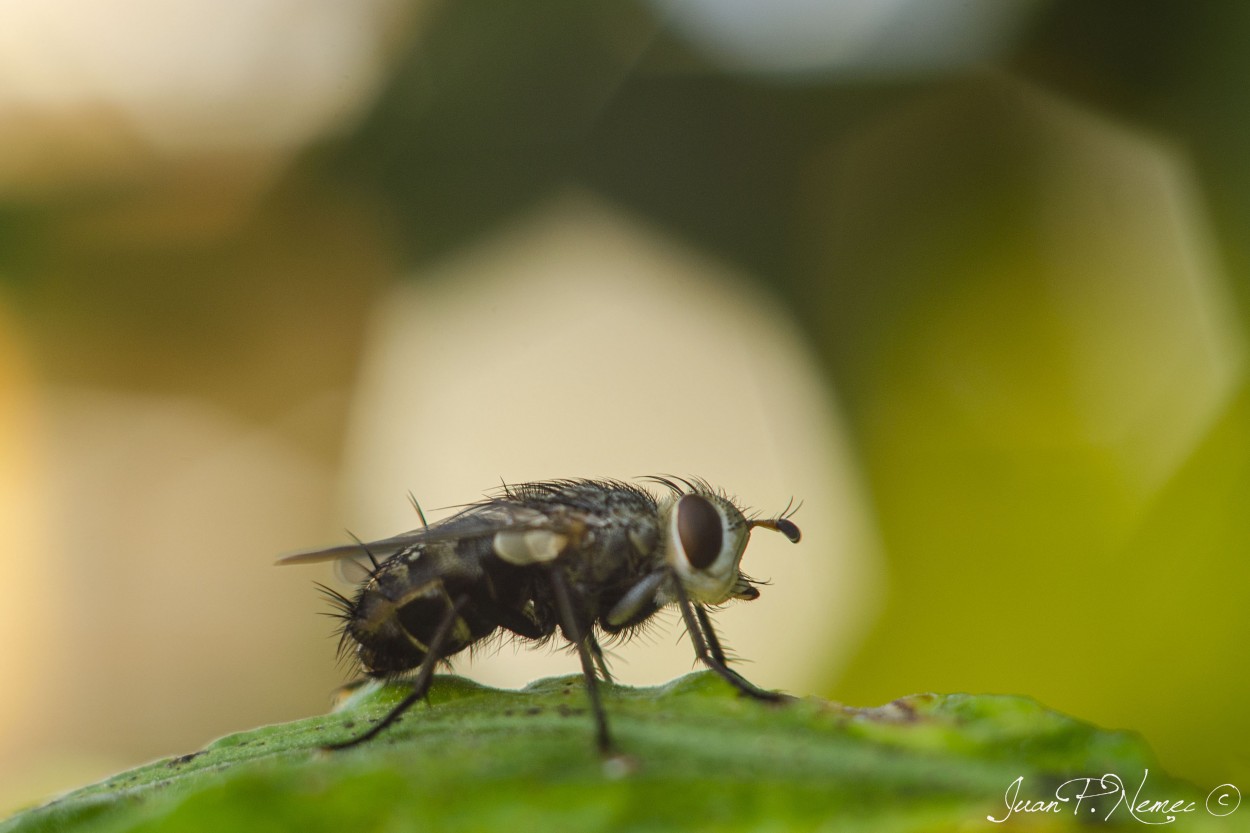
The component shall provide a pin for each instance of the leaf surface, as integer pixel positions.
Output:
(699, 755)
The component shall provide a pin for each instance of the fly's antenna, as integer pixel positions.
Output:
(413, 500)
(782, 523)
(785, 526)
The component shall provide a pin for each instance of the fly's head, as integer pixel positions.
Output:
(705, 535)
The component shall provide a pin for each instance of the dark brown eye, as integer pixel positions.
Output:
(699, 527)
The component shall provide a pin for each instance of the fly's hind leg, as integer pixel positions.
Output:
(420, 683)
(709, 651)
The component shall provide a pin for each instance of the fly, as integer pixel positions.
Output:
(581, 557)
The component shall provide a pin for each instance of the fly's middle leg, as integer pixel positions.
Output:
(581, 637)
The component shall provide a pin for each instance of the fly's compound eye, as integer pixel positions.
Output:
(705, 544)
(700, 531)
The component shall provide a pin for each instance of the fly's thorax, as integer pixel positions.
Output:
(704, 538)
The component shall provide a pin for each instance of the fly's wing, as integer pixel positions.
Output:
(380, 550)
(521, 535)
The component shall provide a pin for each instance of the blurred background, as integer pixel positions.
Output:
(970, 279)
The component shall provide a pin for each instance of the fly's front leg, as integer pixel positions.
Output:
(581, 637)
(708, 648)
(420, 683)
(718, 654)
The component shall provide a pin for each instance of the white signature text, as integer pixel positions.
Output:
(1107, 795)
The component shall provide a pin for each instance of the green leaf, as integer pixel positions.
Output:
(701, 756)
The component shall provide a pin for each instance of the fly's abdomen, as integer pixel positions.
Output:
(400, 609)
